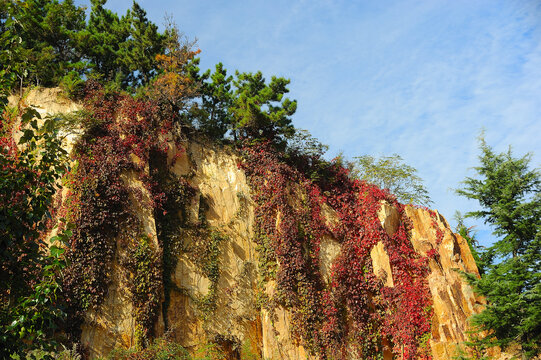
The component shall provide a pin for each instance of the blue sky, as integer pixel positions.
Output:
(416, 78)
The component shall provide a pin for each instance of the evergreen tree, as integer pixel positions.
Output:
(259, 110)
(48, 30)
(101, 42)
(212, 115)
(509, 194)
(60, 27)
(137, 55)
(9, 40)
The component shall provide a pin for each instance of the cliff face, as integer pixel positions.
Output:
(237, 319)
(223, 197)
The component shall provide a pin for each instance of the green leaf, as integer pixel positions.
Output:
(28, 134)
(56, 251)
(29, 114)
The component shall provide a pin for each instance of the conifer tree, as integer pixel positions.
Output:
(212, 115)
(102, 39)
(137, 54)
(509, 194)
(259, 110)
(48, 48)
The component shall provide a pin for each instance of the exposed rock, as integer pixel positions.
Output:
(454, 300)
(47, 101)
(329, 249)
(389, 218)
(223, 198)
(113, 324)
(390, 221)
(381, 265)
(278, 342)
(223, 189)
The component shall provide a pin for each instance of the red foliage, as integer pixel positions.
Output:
(355, 304)
(123, 135)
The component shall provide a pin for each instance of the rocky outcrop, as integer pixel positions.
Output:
(237, 319)
(223, 197)
(453, 299)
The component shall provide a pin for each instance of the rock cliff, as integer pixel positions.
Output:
(223, 199)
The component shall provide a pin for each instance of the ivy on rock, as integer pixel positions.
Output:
(354, 310)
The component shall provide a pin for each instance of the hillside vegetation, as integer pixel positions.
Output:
(142, 90)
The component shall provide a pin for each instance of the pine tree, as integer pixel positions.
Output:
(212, 115)
(137, 55)
(509, 194)
(48, 48)
(101, 42)
(260, 110)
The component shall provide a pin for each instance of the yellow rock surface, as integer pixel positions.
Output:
(222, 188)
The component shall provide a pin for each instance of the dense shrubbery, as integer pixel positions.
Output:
(163, 348)
(30, 266)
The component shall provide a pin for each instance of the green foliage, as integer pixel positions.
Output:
(389, 172)
(482, 258)
(241, 106)
(509, 194)
(72, 84)
(27, 184)
(36, 315)
(212, 115)
(29, 282)
(9, 43)
(250, 351)
(137, 54)
(102, 38)
(474, 348)
(259, 110)
(305, 153)
(304, 144)
(205, 253)
(46, 41)
(159, 349)
(165, 349)
(145, 283)
(40, 354)
(47, 30)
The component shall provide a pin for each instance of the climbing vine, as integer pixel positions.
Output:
(120, 135)
(145, 281)
(171, 218)
(288, 229)
(354, 307)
